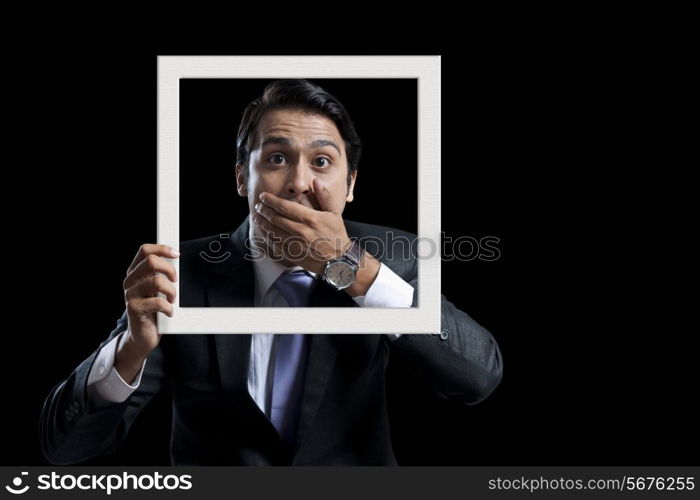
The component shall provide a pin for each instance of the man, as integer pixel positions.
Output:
(265, 399)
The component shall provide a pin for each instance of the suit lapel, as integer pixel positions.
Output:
(323, 352)
(231, 284)
(233, 358)
(322, 356)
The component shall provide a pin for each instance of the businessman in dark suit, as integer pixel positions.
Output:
(265, 399)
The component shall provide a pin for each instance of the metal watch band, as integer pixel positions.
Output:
(354, 254)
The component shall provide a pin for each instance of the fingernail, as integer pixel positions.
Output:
(257, 207)
(262, 196)
(174, 252)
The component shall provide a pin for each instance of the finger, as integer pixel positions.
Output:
(323, 195)
(150, 265)
(274, 237)
(279, 220)
(289, 209)
(150, 286)
(152, 249)
(272, 234)
(149, 306)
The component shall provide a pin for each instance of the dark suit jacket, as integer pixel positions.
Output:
(343, 418)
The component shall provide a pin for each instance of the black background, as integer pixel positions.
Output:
(595, 371)
(385, 114)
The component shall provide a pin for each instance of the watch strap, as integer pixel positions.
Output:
(354, 254)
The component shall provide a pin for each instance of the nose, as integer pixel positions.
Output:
(300, 179)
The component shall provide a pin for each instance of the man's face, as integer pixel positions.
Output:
(290, 149)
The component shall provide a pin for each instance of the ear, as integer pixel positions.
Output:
(351, 187)
(241, 180)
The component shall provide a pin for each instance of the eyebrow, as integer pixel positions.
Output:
(319, 143)
(322, 142)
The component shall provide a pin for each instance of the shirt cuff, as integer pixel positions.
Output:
(104, 379)
(388, 290)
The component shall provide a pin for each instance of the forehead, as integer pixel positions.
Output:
(297, 124)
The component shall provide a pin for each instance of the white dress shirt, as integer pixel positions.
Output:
(105, 385)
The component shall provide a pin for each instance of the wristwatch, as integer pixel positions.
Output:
(340, 273)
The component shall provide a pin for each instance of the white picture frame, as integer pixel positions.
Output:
(425, 318)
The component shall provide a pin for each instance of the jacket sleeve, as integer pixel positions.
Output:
(462, 362)
(73, 430)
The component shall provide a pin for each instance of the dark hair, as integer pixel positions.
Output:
(303, 95)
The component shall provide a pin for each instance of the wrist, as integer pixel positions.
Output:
(129, 359)
(365, 275)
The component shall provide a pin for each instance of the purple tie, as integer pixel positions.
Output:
(290, 358)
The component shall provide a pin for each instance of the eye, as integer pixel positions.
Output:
(276, 159)
(322, 161)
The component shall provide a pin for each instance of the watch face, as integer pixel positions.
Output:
(340, 274)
